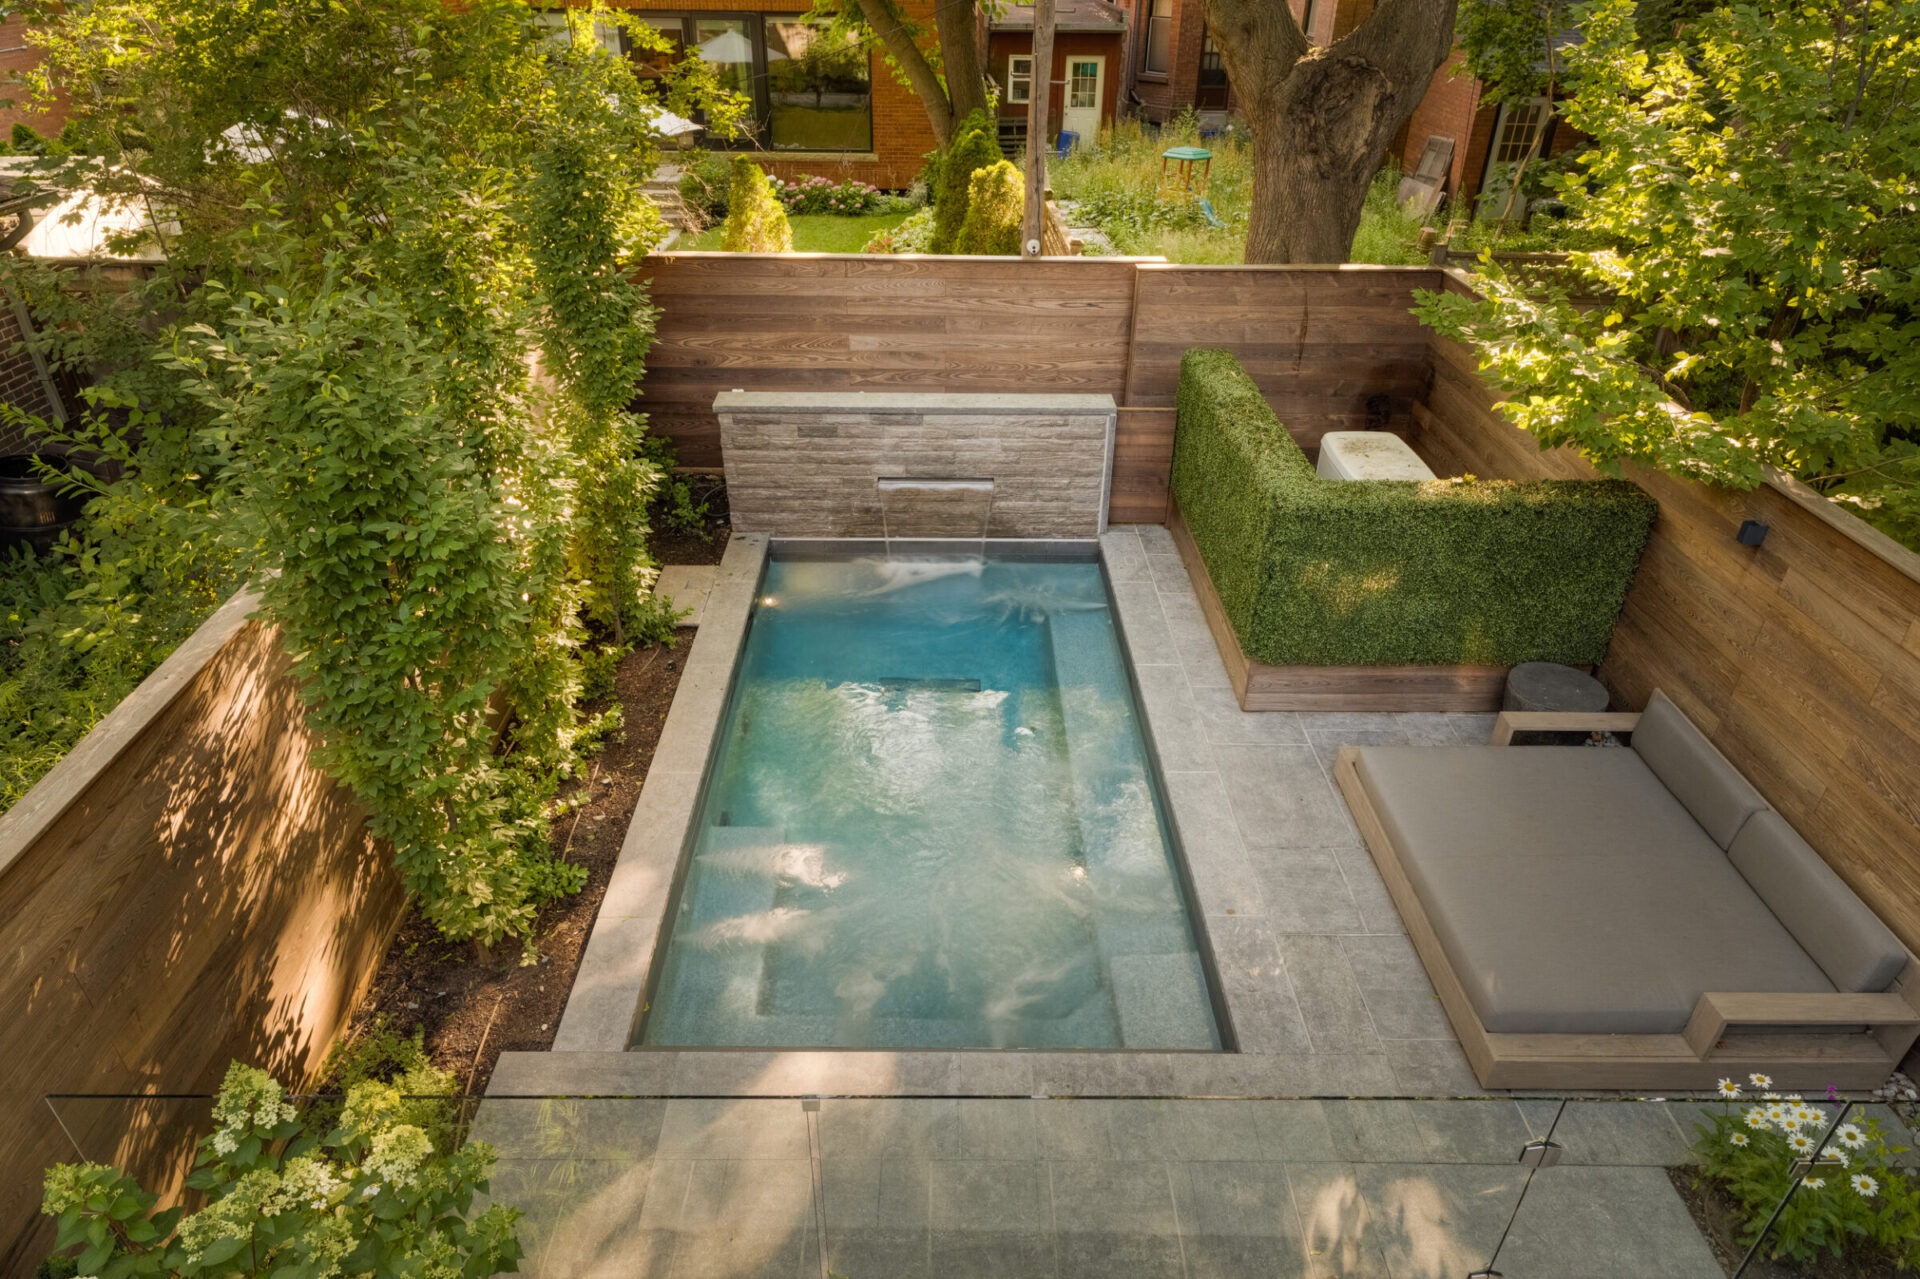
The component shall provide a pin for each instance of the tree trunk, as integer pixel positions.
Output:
(962, 63)
(1322, 118)
(883, 20)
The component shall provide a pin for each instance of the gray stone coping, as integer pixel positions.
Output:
(905, 402)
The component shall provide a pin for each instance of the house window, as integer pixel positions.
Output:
(1213, 67)
(1020, 78)
(1156, 54)
(819, 91)
(555, 26)
(1521, 126)
(1083, 85)
(1310, 18)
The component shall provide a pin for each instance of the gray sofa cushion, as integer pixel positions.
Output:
(1847, 940)
(1699, 776)
(1571, 891)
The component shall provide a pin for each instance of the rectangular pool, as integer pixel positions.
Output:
(931, 822)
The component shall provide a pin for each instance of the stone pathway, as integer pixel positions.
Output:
(687, 586)
(904, 1189)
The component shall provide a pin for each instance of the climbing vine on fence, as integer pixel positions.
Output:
(400, 349)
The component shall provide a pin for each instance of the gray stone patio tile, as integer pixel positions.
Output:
(1622, 1133)
(876, 1194)
(532, 1075)
(1103, 1075)
(706, 1128)
(1335, 1225)
(1375, 1131)
(560, 1199)
(620, 1129)
(977, 1074)
(1421, 730)
(1305, 891)
(1269, 1021)
(600, 1012)
(1156, 539)
(1408, 727)
(1227, 725)
(1238, 1220)
(1606, 1223)
(1124, 1196)
(1071, 1129)
(1330, 999)
(1194, 644)
(1385, 962)
(886, 1127)
(1432, 1068)
(987, 1128)
(1178, 739)
(1378, 914)
(1223, 875)
(1438, 1219)
(1296, 1131)
(1282, 798)
(991, 1218)
(865, 1252)
(1471, 1132)
(1407, 1014)
(685, 588)
(1245, 953)
(1125, 558)
(1149, 642)
(1472, 730)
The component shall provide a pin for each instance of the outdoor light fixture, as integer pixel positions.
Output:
(1752, 533)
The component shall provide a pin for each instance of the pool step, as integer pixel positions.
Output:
(1162, 1000)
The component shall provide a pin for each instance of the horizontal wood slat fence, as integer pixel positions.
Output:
(184, 889)
(1333, 347)
(1800, 657)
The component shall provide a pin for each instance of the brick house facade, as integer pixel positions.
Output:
(16, 58)
(1089, 62)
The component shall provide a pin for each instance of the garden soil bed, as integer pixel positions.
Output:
(470, 1007)
(1714, 1212)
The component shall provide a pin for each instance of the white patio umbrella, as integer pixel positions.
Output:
(727, 47)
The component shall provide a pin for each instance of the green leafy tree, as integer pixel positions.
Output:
(996, 199)
(975, 147)
(1751, 193)
(756, 222)
(382, 1192)
(942, 65)
(363, 253)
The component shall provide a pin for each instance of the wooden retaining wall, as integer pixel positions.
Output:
(1333, 346)
(1799, 657)
(184, 889)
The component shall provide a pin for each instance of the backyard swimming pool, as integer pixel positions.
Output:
(932, 822)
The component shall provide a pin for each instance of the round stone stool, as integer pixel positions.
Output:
(1548, 686)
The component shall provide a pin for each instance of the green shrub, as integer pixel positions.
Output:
(975, 146)
(1868, 1203)
(1320, 573)
(914, 235)
(755, 221)
(704, 180)
(996, 200)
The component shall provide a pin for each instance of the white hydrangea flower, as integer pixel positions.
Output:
(1865, 1185)
(307, 1183)
(397, 1154)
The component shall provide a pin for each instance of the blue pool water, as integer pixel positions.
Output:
(932, 823)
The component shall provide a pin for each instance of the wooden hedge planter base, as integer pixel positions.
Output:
(1260, 687)
(1695, 1059)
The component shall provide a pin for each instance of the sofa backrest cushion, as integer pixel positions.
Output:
(1690, 766)
(1857, 952)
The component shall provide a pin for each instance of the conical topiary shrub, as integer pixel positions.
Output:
(975, 146)
(996, 198)
(755, 221)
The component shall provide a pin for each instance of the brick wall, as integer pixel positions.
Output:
(808, 465)
(1450, 109)
(21, 382)
(17, 57)
(1066, 44)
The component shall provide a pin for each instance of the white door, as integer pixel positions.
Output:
(1082, 112)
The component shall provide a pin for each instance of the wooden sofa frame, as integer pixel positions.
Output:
(1697, 1057)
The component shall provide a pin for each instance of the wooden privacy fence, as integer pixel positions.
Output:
(1334, 347)
(185, 888)
(1800, 657)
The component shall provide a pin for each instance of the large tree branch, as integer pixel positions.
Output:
(1406, 39)
(883, 20)
(1259, 42)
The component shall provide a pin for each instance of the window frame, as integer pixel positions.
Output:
(1024, 80)
(1152, 14)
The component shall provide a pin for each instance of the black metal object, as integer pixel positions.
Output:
(1752, 533)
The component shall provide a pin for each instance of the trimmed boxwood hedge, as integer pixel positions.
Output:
(1314, 572)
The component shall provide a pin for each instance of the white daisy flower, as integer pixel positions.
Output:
(1770, 1096)
(1760, 1081)
(1800, 1143)
(1815, 1183)
(1738, 1139)
(1841, 1155)
(1851, 1136)
(1866, 1185)
(1729, 1089)
(1757, 1118)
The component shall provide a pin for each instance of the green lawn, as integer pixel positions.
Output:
(815, 232)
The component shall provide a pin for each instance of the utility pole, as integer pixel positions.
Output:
(1039, 90)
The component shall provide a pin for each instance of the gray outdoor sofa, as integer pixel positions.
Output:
(1628, 918)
